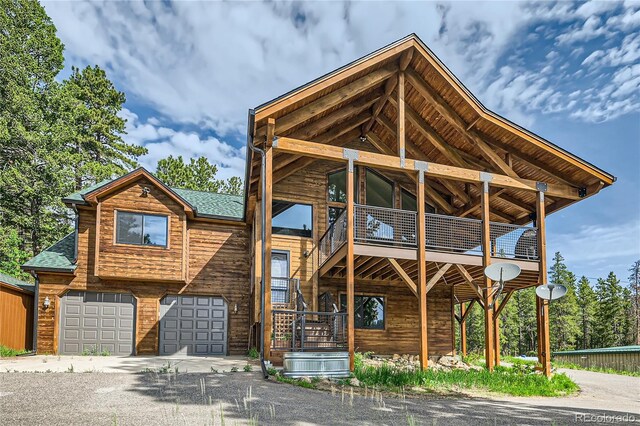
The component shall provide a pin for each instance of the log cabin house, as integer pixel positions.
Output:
(387, 188)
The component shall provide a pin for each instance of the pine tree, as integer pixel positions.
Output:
(90, 126)
(32, 163)
(610, 313)
(634, 293)
(586, 300)
(198, 175)
(563, 312)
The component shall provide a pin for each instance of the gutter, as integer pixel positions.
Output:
(263, 167)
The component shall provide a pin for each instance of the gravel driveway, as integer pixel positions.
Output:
(241, 398)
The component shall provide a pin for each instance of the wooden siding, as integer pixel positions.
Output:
(218, 265)
(401, 333)
(16, 318)
(127, 261)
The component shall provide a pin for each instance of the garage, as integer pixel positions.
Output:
(97, 322)
(193, 325)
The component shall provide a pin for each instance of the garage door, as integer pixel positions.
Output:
(102, 322)
(193, 325)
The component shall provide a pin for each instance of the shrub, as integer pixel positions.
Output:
(253, 353)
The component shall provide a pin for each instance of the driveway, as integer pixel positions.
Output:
(241, 398)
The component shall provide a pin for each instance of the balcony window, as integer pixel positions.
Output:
(369, 311)
(292, 219)
(334, 213)
(379, 190)
(409, 203)
(141, 229)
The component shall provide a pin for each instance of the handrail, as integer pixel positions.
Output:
(299, 331)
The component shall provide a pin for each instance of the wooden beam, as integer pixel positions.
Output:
(503, 303)
(458, 123)
(334, 98)
(468, 279)
(422, 270)
(435, 170)
(403, 276)
(463, 328)
(543, 305)
(468, 310)
(268, 199)
(438, 275)
(487, 284)
(400, 134)
(333, 260)
(350, 266)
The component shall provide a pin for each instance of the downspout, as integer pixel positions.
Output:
(36, 307)
(263, 235)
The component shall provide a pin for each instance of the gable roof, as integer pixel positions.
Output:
(57, 258)
(201, 203)
(453, 126)
(14, 282)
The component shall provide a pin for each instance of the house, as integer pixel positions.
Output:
(16, 313)
(387, 189)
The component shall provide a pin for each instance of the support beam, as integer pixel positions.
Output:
(422, 270)
(350, 266)
(268, 198)
(463, 328)
(403, 276)
(489, 332)
(400, 134)
(458, 123)
(437, 276)
(542, 306)
(435, 170)
(468, 279)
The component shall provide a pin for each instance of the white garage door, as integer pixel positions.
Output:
(193, 325)
(97, 322)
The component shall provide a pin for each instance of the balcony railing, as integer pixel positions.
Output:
(397, 228)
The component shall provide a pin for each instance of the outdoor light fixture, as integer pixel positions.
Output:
(46, 302)
(363, 138)
(235, 308)
(145, 191)
(306, 254)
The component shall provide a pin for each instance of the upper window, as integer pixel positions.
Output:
(379, 190)
(141, 229)
(292, 219)
(409, 203)
(369, 311)
(337, 186)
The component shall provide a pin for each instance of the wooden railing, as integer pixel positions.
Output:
(397, 228)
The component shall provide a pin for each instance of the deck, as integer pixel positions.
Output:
(382, 233)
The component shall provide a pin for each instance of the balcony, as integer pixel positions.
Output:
(393, 228)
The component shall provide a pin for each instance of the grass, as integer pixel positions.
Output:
(95, 352)
(253, 353)
(297, 382)
(519, 380)
(6, 352)
(595, 369)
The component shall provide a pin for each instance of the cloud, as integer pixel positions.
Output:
(163, 141)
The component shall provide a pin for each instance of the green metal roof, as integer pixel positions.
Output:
(205, 204)
(58, 257)
(13, 281)
(213, 204)
(616, 349)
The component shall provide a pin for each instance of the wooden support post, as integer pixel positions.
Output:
(486, 261)
(350, 267)
(422, 270)
(496, 337)
(401, 121)
(463, 329)
(268, 197)
(542, 306)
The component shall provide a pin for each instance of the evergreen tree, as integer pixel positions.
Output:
(634, 294)
(198, 175)
(586, 300)
(32, 165)
(91, 128)
(610, 313)
(563, 312)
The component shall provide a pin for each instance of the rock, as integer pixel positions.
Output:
(354, 382)
(305, 379)
(396, 357)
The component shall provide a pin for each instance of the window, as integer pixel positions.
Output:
(334, 213)
(379, 190)
(369, 311)
(409, 203)
(280, 277)
(141, 229)
(337, 186)
(292, 219)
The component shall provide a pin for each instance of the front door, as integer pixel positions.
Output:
(280, 293)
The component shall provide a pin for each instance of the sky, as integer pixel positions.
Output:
(569, 72)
